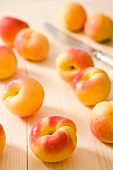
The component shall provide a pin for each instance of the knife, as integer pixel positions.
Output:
(68, 40)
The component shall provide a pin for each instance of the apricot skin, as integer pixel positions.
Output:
(9, 27)
(101, 121)
(31, 45)
(73, 16)
(99, 27)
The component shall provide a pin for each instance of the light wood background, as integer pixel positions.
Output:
(90, 153)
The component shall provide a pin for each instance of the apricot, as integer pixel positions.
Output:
(91, 85)
(73, 16)
(31, 45)
(9, 27)
(69, 62)
(2, 139)
(8, 62)
(101, 121)
(23, 96)
(53, 138)
(99, 27)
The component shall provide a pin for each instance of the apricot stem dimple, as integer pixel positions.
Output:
(7, 95)
(72, 67)
(50, 133)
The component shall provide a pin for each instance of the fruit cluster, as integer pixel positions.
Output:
(53, 138)
(99, 27)
(91, 85)
(28, 43)
(23, 96)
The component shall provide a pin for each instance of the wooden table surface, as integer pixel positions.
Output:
(90, 153)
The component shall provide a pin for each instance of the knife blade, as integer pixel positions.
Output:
(70, 41)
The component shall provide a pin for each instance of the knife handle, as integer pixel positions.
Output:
(103, 57)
